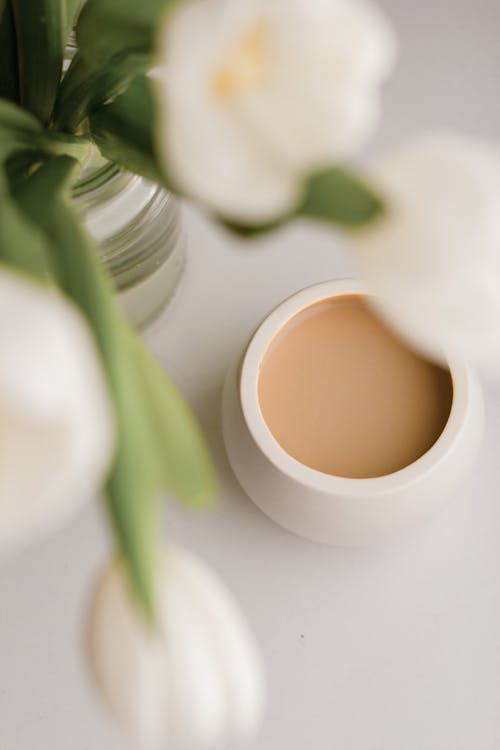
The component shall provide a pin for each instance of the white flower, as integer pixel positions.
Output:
(434, 260)
(256, 94)
(56, 430)
(193, 677)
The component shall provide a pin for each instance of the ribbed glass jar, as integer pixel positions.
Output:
(136, 226)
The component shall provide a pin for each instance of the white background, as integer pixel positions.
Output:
(393, 649)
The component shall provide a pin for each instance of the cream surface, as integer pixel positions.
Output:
(343, 395)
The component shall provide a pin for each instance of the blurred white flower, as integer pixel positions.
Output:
(256, 94)
(56, 429)
(434, 260)
(193, 677)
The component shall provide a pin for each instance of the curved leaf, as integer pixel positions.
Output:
(84, 88)
(123, 130)
(341, 197)
(42, 29)
(119, 29)
(159, 443)
(24, 141)
(183, 464)
(132, 498)
(22, 244)
(336, 196)
(15, 119)
(9, 80)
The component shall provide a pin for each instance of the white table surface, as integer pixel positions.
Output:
(389, 649)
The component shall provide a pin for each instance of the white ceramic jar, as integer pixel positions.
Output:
(332, 509)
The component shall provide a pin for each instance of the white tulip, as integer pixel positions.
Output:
(256, 94)
(195, 676)
(56, 428)
(434, 259)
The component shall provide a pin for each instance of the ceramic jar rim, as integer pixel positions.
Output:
(305, 475)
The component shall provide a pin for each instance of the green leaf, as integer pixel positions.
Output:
(183, 462)
(335, 196)
(22, 244)
(17, 126)
(123, 130)
(84, 88)
(42, 29)
(9, 80)
(20, 133)
(24, 142)
(340, 197)
(132, 497)
(249, 231)
(56, 143)
(117, 29)
(159, 445)
(15, 121)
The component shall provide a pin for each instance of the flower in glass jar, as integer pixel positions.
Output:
(192, 676)
(255, 95)
(56, 426)
(433, 259)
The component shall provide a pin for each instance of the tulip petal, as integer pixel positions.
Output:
(56, 426)
(232, 643)
(197, 706)
(192, 677)
(433, 260)
(127, 657)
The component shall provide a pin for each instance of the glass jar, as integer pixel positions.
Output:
(136, 226)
